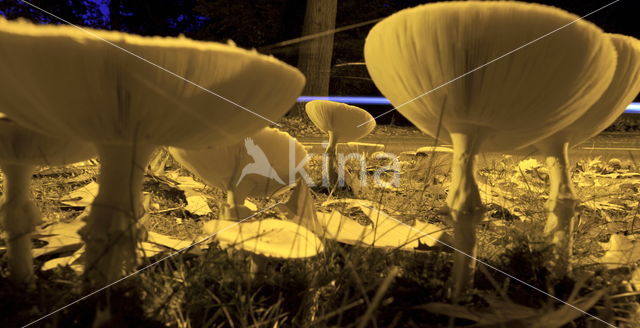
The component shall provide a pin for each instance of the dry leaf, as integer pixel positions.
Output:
(73, 261)
(60, 238)
(386, 231)
(81, 197)
(620, 251)
(196, 201)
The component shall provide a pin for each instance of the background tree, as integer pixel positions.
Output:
(83, 13)
(315, 54)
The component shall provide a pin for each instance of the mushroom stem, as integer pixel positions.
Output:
(560, 207)
(236, 210)
(111, 233)
(466, 210)
(331, 153)
(19, 216)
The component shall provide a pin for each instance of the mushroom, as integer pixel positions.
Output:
(265, 239)
(562, 198)
(340, 121)
(20, 151)
(257, 167)
(488, 76)
(128, 95)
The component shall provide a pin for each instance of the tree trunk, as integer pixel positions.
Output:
(314, 59)
(114, 14)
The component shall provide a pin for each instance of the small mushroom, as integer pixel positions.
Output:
(464, 72)
(261, 165)
(20, 151)
(267, 237)
(265, 240)
(342, 123)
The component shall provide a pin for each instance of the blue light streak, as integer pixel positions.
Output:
(633, 108)
(350, 100)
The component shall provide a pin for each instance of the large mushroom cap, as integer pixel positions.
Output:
(623, 89)
(344, 120)
(269, 237)
(223, 167)
(544, 68)
(101, 87)
(22, 146)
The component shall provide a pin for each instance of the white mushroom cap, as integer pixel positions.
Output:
(21, 146)
(68, 83)
(624, 87)
(340, 118)
(269, 237)
(222, 167)
(511, 102)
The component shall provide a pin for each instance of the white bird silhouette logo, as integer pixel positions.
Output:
(260, 165)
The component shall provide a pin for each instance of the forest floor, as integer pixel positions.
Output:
(302, 127)
(350, 285)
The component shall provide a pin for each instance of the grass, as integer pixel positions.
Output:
(351, 286)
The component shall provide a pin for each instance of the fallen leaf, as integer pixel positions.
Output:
(250, 205)
(168, 242)
(196, 201)
(158, 162)
(81, 197)
(73, 261)
(59, 238)
(385, 231)
(341, 228)
(620, 251)
(185, 182)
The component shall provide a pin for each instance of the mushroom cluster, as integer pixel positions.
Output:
(510, 95)
(127, 95)
(484, 76)
(21, 150)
